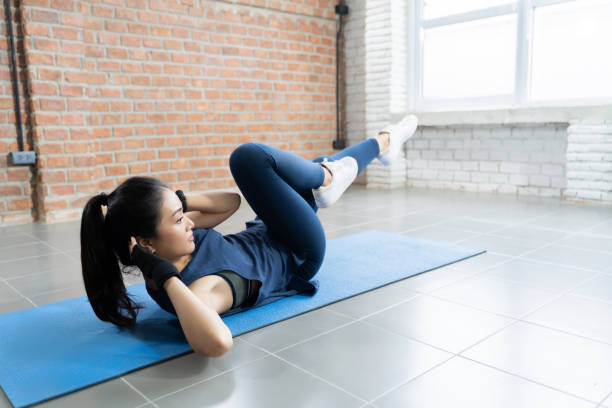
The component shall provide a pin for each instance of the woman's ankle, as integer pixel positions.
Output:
(383, 139)
(328, 176)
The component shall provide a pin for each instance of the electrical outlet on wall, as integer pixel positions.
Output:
(23, 157)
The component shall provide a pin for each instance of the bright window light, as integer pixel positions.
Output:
(504, 53)
(571, 51)
(471, 59)
(441, 8)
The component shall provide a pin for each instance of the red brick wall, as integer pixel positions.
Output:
(166, 89)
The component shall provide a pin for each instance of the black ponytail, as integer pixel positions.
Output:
(133, 209)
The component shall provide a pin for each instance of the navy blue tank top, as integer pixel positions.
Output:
(253, 254)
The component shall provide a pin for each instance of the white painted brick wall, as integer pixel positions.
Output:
(589, 161)
(355, 70)
(355, 75)
(370, 79)
(521, 159)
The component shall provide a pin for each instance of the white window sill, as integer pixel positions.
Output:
(558, 114)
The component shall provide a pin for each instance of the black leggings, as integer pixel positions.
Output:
(278, 185)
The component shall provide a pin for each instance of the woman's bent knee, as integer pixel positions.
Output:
(245, 155)
(314, 259)
(309, 269)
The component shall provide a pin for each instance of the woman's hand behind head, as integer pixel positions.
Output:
(148, 280)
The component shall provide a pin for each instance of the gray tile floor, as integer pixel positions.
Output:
(525, 325)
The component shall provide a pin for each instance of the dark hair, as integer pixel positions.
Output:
(133, 209)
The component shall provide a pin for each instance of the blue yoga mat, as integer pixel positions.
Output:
(62, 347)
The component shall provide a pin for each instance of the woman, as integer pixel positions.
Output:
(198, 274)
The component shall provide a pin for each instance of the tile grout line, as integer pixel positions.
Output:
(392, 389)
(526, 379)
(491, 266)
(599, 251)
(58, 250)
(47, 292)
(381, 220)
(31, 257)
(23, 244)
(516, 224)
(139, 392)
(269, 353)
(578, 268)
(211, 377)
(398, 386)
(567, 291)
(319, 378)
(391, 218)
(18, 292)
(579, 295)
(479, 363)
(563, 331)
(483, 272)
(459, 355)
(501, 314)
(354, 320)
(480, 233)
(45, 271)
(49, 270)
(511, 258)
(33, 273)
(506, 326)
(516, 319)
(274, 353)
(604, 400)
(468, 306)
(519, 318)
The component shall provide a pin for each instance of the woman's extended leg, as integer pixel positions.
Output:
(278, 186)
(364, 152)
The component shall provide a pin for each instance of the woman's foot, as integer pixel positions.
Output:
(343, 172)
(398, 134)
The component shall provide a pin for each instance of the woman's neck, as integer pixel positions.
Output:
(182, 262)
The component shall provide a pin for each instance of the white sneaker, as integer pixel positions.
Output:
(343, 171)
(398, 134)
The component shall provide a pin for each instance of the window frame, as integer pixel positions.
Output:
(521, 98)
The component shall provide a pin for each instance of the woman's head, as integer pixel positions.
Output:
(173, 230)
(141, 207)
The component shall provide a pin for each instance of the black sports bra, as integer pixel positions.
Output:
(243, 290)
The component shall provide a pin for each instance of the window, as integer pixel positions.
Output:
(503, 53)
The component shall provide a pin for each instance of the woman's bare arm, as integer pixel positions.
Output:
(204, 329)
(207, 210)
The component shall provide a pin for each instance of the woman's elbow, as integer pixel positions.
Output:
(224, 347)
(216, 350)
